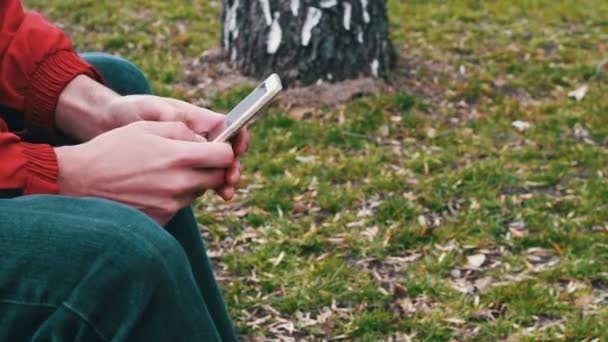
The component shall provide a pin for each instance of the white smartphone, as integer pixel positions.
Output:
(247, 109)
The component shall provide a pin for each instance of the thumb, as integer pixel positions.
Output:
(199, 119)
(172, 130)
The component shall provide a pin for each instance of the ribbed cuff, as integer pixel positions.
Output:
(42, 169)
(46, 84)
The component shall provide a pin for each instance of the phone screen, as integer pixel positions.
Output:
(244, 105)
(240, 115)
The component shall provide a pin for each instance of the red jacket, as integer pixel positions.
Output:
(36, 62)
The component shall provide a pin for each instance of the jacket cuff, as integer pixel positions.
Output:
(46, 84)
(41, 168)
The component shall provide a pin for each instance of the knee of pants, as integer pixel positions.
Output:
(112, 263)
(138, 247)
(112, 239)
(120, 75)
(69, 249)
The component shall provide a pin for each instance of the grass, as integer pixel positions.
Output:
(372, 238)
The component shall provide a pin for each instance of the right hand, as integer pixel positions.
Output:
(157, 167)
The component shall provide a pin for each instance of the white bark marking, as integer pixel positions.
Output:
(375, 67)
(366, 17)
(233, 55)
(313, 18)
(266, 9)
(328, 3)
(295, 7)
(230, 26)
(360, 36)
(275, 36)
(348, 10)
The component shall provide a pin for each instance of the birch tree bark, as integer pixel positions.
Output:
(308, 41)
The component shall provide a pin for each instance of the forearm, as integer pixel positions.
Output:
(81, 108)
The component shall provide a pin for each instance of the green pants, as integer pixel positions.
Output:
(87, 269)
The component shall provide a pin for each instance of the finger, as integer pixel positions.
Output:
(209, 179)
(171, 130)
(204, 155)
(241, 142)
(152, 108)
(200, 120)
(233, 173)
(192, 182)
(226, 192)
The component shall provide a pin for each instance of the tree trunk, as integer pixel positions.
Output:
(308, 41)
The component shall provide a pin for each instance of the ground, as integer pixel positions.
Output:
(468, 201)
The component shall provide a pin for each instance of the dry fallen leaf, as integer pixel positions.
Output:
(370, 233)
(300, 113)
(422, 220)
(518, 229)
(579, 93)
(385, 130)
(276, 261)
(482, 284)
(484, 315)
(306, 159)
(581, 134)
(455, 320)
(463, 286)
(475, 261)
(521, 126)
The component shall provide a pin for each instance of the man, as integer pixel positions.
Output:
(83, 251)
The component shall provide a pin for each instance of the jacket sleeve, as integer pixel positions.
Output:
(26, 168)
(37, 61)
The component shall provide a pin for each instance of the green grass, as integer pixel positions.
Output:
(406, 187)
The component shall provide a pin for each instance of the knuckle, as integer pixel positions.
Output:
(178, 126)
(170, 189)
(184, 129)
(226, 151)
(181, 125)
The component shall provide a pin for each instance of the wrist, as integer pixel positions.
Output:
(82, 108)
(68, 175)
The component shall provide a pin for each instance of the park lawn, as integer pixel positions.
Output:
(470, 205)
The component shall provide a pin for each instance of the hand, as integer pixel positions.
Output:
(157, 167)
(86, 109)
(127, 109)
